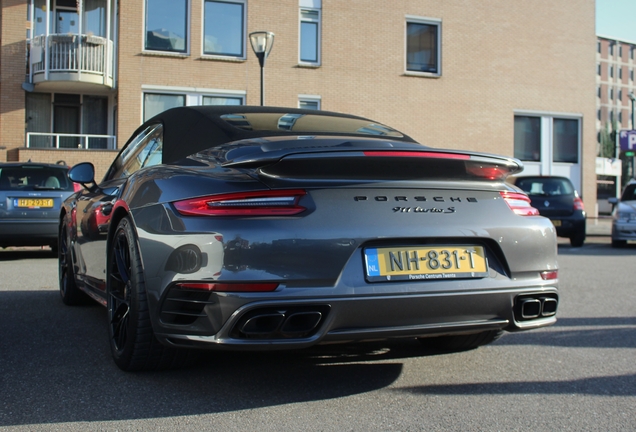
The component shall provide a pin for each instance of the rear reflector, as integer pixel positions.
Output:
(550, 275)
(261, 203)
(230, 287)
(519, 203)
(415, 154)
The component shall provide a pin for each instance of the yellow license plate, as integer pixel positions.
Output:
(425, 263)
(33, 202)
(556, 223)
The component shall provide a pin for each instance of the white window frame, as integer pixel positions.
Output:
(411, 19)
(245, 36)
(313, 6)
(167, 53)
(546, 165)
(193, 95)
(310, 99)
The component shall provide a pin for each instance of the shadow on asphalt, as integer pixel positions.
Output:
(55, 366)
(12, 254)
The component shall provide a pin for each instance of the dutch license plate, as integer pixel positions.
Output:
(425, 263)
(556, 223)
(33, 202)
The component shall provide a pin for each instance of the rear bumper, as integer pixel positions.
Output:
(34, 232)
(348, 319)
(569, 226)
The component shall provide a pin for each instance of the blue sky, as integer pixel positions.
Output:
(616, 19)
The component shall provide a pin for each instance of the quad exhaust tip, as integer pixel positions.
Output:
(538, 307)
(280, 324)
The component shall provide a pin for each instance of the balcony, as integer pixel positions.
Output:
(70, 141)
(63, 62)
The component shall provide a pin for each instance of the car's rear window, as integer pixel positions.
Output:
(546, 186)
(34, 177)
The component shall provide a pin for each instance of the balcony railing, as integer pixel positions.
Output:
(88, 58)
(70, 141)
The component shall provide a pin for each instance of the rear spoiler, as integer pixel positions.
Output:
(382, 164)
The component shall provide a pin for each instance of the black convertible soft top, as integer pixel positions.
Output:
(188, 130)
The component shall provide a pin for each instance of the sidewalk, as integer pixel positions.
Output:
(601, 226)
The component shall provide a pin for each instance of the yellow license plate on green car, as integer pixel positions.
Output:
(425, 262)
(33, 202)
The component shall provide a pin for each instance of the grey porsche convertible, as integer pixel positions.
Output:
(251, 228)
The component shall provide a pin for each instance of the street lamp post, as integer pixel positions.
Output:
(262, 43)
(632, 98)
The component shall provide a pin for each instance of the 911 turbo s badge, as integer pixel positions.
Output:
(423, 210)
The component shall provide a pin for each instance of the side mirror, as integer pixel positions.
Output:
(83, 173)
(612, 200)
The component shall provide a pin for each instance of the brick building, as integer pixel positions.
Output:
(514, 78)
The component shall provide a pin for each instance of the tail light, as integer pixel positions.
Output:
(519, 203)
(77, 187)
(578, 204)
(229, 287)
(550, 275)
(260, 203)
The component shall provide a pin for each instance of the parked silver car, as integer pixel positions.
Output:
(624, 215)
(31, 195)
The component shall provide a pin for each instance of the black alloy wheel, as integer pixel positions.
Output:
(132, 340)
(70, 293)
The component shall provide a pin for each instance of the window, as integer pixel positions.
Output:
(598, 92)
(631, 53)
(528, 138)
(598, 47)
(157, 103)
(159, 99)
(222, 100)
(598, 69)
(611, 71)
(166, 25)
(620, 50)
(423, 45)
(611, 94)
(631, 74)
(309, 102)
(309, 41)
(611, 48)
(224, 28)
(532, 144)
(565, 140)
(620, 72)
(143, 150)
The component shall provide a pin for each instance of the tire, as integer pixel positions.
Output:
(577, 239)
(619, 243)
(461, 342)
(69, 291)
(132, 340)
